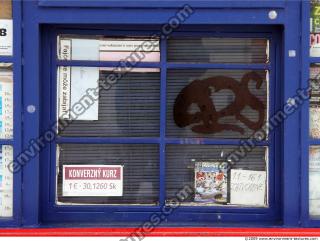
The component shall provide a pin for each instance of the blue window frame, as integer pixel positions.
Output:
(51, 212)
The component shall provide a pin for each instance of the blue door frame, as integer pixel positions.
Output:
(40, 16)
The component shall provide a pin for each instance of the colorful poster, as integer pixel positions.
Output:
(315, 29)
(211, 182)
(248, 187)
(92, 180)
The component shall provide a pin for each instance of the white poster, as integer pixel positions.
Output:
(6, 182)
(6, 104)
(6, 37)
(248, 187)
(92, 180)
(64, 80)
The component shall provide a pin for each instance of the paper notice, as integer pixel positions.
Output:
(92, 180)
(248, 187)
(6, 104)
(6, 37)
(132, 50)
(6, 177)
(64, 80)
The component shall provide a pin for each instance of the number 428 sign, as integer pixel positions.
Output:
(6, 39)
(92, 180)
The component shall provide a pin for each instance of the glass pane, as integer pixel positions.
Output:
(315, 29)
(6, 9)
(314, 179)
(315, 101)
(100, 48)
(6, 101)
(6, 182)
(139, 183)
(216, 103)
(218, 177)
(218, 50)
(123, 104)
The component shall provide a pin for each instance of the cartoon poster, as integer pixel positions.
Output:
(211, 182)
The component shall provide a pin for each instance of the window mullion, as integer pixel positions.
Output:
(163, 110)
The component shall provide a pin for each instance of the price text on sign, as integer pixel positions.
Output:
(92, 180)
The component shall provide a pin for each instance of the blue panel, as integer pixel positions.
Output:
(164, 4)
(291, 145)
(31, 73)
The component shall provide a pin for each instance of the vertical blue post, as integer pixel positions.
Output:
(291, 144)
(17, 99)
(305, 113)
(31, 123)
(163, 114)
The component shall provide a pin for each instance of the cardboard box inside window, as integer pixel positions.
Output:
(5, 9)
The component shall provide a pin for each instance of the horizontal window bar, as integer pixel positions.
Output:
(108, 140)
(155, 208)
(204, 141)
(88, 63)
(314, 142)
(314, 60)
(6, 59)
(217, 66)
(6, 142)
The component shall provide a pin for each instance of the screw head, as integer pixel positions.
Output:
(31, 109)
(273, 14)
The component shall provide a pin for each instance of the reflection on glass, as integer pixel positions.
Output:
(101, 102)
(79, 165)
(315, 101)
(216, 103)
(99, 48)
(215, 176)
(314, 179)
(6, 101)
(218, 50)
(6, 182)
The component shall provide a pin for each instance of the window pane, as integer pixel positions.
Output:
(6, 101)
(315, 101)
(99, 48)
(6, 182)
(216, 103)
(218, 50)
(140, 164)
(314, 179)
(216, 180)
(127, 107)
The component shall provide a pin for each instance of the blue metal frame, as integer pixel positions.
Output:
(15, 142)
(128, 214)
(40, 16)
